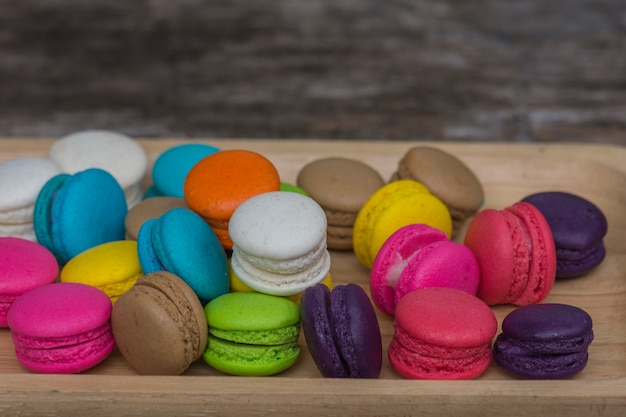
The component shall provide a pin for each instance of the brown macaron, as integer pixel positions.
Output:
(150, 208)
(340, 186)
(159, 325)
(447, 178)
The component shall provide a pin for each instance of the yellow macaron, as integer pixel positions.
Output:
(112, 267)
(396, 204)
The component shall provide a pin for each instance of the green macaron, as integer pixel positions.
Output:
(252, 334)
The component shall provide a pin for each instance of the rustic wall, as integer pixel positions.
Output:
(485, 70)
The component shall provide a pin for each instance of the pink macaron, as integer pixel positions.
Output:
(418, 256)
(515, 252)
(61, 328)
(24, 265)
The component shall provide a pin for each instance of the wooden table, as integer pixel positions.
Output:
(508, 172)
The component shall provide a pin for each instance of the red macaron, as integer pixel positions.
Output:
(516, 255)
(442, 333)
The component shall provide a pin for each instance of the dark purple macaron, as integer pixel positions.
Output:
(341, 331)
(544, 341)
(578, 227)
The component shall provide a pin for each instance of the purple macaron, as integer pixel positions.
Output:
(544, 341)
(341, 331)
(578, 227)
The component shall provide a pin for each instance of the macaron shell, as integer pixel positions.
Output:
(220, 182)
(151, 208)
(43, 213)
(187, 247)
(112, 267)
(148, 258)
(61, 328)
(171, 167)
(159, 325)
(392, 258)
(441, 264)
(438, 329)
(22, 178)
(88, 210)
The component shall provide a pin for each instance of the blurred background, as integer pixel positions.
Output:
(485, 70)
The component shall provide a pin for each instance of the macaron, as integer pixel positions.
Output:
(114, 152)
(61, 328)
(340, 186)
(150, 208)
(447, 177)
(181, 242)
(516, 255)
(341, 331)
(391, 207)
(24, 265)
(112, 267)
(159, 325)
(442, 333)
(544, 341)
(252, 334)
(171, 167)
(578, 227)
(76, 212)
(21, 179)
(418, 256)
(279, 243)
(286, 186)
(220, 182)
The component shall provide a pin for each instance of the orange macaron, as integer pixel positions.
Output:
(220, 182)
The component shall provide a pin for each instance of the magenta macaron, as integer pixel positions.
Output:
(24, 265)
(61, 328)
(418, 256)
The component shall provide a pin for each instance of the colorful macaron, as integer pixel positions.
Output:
(447, 177)
(114, 152)
(112, 267)
(76, 212)
(61, 328)
(181, 242)
(341, 331)
(578, 227)
(220, 182)
(340, 186)
(515, 253)
(21, 179)
(442, 333)
(252, 334)
(24, 265)
(171, 167)
(418, 256)
(544, 341)
(159, 325)
(391, 207)
(150, 208)
(279, 243)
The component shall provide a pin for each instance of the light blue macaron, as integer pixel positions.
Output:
(182, 243)
(171, 167)
(76, 212)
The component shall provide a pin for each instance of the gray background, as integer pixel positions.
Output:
(487, 70)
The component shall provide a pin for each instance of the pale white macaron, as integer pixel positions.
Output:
(114, 152)
(279, 243)
(21, 179)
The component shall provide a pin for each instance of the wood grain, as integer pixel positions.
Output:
(440, 70)
(508, 172)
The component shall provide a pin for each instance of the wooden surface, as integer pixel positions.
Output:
(508, 172)
(488, 70)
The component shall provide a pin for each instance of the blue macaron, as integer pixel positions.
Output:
(182, 243)
(171, 167)
(76, 212)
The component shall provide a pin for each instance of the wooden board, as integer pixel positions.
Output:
(508, 172)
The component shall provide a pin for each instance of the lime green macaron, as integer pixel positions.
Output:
(252, 334)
